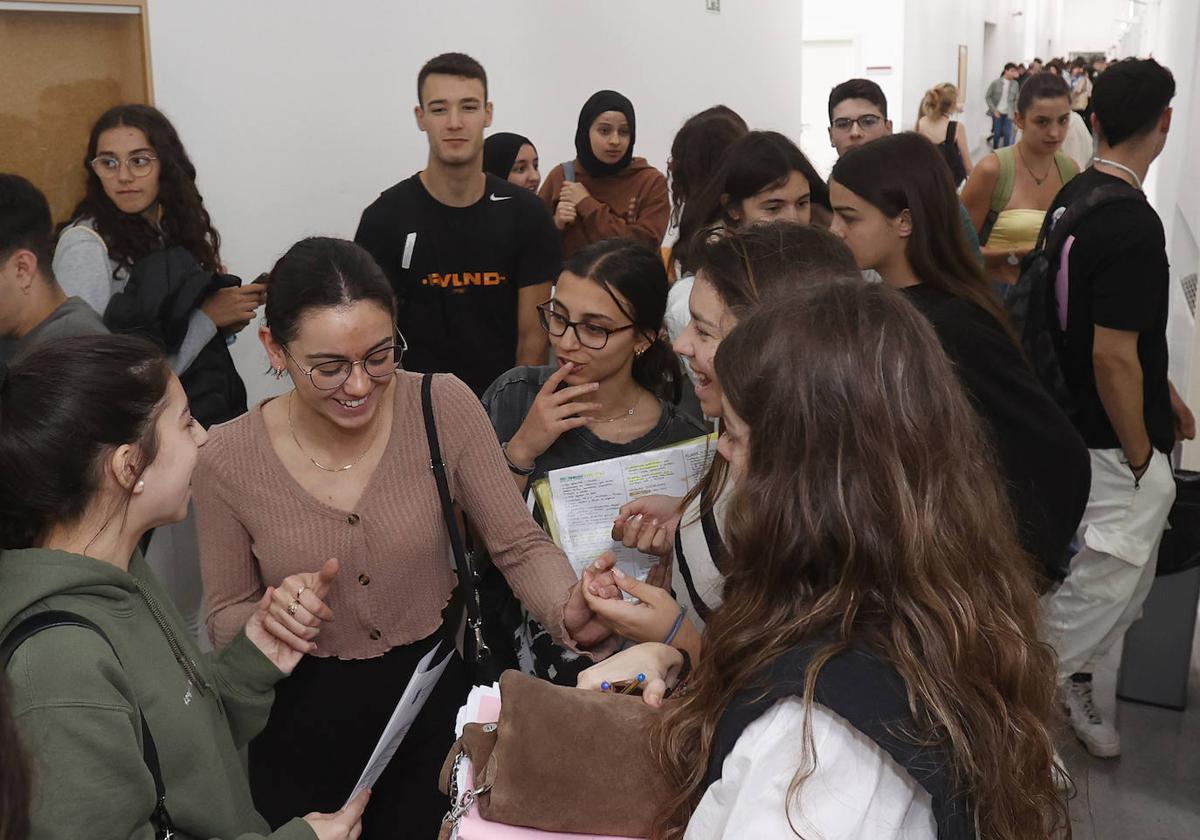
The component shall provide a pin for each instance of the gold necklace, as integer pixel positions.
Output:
(315, 462)
(632, 410)
(1036, 179)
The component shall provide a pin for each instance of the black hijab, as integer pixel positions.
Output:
(500, 152)
(597, 104)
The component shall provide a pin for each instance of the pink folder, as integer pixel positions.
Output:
(475, 827)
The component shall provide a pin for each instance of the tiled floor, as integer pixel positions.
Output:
(1152, 792)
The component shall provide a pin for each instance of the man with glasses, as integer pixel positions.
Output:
(469, 255)
(857, 115)
(33, 307)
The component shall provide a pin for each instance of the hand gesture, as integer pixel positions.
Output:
(648, 621)
(552, 413)
(346, 824)
(289, 617)
(564, 214)
(649, 524)
(578, 619)
(233, 307)
(573, 191)
(659, 663)
(1185, 421)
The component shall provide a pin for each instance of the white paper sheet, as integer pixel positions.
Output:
(415, 694)
(587, 498)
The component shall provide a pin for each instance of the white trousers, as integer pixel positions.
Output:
(1111, 576)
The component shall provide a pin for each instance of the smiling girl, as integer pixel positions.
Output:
(339, 467)
(606, 192)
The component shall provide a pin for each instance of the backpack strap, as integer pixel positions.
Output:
(1067, 167)
(1001, 192)
(1056, 230)
(49, 619)
(950, 129)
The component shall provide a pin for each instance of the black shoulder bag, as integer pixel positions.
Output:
(160, 819)
(481, 665)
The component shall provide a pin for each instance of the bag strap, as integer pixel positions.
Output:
(1001, 193)
(466, 578)
(1056, 230)
(1067, 167)
(951, 127)
(49, 619)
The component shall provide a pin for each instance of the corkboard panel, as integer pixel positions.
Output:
(61, 71)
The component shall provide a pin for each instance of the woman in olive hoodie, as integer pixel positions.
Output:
(606, 192)
(97, 447)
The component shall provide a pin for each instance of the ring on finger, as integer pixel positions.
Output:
(300, 592)
(292, 607)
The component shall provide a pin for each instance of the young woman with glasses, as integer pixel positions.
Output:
(339, 468)
(611, 392)
(142, 199)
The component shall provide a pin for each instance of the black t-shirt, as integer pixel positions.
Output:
(456, 272)
(1118, 277)
(1040, 454)
(510, 397)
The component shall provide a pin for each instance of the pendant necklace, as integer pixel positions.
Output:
(315, 462)
(624, 415)
(1036, 179)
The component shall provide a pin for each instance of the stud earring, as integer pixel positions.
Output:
(278, 372)
(139, 487)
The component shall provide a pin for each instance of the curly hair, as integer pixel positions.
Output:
(185, 221)
(870, 510)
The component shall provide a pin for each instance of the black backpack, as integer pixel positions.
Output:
(1031, 301)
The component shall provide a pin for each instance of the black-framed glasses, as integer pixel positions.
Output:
(591, 336)
(378, 364)
(865, 122)
(107, 166)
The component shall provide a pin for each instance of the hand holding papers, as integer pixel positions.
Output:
(582, 502)
(419, 688)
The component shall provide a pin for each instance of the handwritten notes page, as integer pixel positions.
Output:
(582, 502)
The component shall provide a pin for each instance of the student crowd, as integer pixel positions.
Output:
(895, 497)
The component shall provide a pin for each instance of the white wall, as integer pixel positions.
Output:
(1087, 26)
(297, 113)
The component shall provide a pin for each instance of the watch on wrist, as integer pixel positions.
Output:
(513, 468)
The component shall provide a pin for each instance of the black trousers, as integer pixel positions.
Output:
(328, 716)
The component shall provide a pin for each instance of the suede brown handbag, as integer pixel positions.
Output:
(561, 759)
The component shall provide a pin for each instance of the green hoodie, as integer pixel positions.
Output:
(76, 707)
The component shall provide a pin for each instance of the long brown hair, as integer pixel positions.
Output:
(870, 511)
(906, 172)
(185, 220)
(749, 266)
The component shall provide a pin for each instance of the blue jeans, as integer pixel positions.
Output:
(1002, 131)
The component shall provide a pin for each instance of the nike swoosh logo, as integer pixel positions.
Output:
(495, 197)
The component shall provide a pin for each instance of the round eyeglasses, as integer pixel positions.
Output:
(591, 336)
(140, 165)
(378, 364)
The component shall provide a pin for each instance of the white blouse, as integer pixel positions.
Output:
(856, 792)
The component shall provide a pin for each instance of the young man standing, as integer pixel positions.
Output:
(33, 307)
(857, 115)
(1001, 101)
(1115, 279)
(470, 255)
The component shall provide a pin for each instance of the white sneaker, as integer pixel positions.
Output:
(1098, 735)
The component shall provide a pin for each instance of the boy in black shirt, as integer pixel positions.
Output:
(1111, 294)
(469, 255)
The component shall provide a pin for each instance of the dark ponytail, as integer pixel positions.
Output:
(634, 273)
(63, 408)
